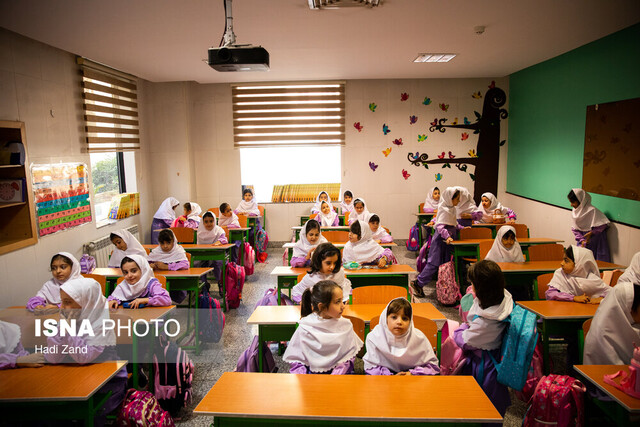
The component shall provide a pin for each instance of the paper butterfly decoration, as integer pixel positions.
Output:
(466, 121)
(372, 107)
(493, 84)
(397, 141)
(441, 156)
(426, 100)
(472, 153)
(444, 107)
(451, 156)
(422, 138)
(465, 135)
(386, 152)
(373, 166)
(413, 119)
(404, 96)
(476, 95)
(405, 174)
(434, 122)
(438, 177)
(455, 121)
(358, 126)
(385, 129)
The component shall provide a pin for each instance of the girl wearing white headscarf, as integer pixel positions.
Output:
(360, 211)
(361, 247)
(589, 225)
(164, 217)
(310, 238)
(466, 208)
(248, 205)
(327, 217)
(126, 244)
(139, 284)
(578, 279)
(322, 196)
(169, 255)
(432, 200)
(491, 206)
(347, 202)
(615, 328)
(503, 250)
(209, 233)
(632, 273)
(191, 217)
(379, 233)
(64, 266)
(389, 353)
(12, 353)
(320, 271)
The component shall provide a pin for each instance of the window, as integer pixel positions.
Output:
(111, 174)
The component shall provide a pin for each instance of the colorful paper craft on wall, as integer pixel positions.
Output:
(426, 100)
(61, 196)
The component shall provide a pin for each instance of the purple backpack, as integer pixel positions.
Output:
(141, 408)
(421, 261)
(173, 376)
(234, 284)
(211, 318)
(412, 243)
(271, 298)
(87, 264)
(447, 290)
(249, 259)
(248, 361)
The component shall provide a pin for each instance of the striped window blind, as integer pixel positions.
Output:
(110, 104)
(288, 114)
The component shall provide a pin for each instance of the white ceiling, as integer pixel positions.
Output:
(167, 40)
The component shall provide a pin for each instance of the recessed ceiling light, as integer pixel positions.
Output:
(435, 57)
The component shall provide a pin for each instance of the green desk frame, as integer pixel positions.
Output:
(214, 253)
(556, 327)
(422, 220)
(305, 218)
(236, 234)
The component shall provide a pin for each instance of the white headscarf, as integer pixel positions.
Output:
(209, 237)
(225, 221)
(196, 210)
(9, 337)
(446, 211)
(586, 216)
(365, 249)
(322, 344)
(88, 294)
(499, 253)
(326, 220)
(487, 214)
(176, 254)
(126, 291)
(133, 248)
(486, 332)
(612, 334)
(398, 354)
(632, 273)
(430, 203)
(309, 280)
(165, 211)
(318, 204)
(585, 277)
(250, 206)
(346, 207)
(50, 291)
(355, 216)
(467, 205)
(380, 233)
(302, 246)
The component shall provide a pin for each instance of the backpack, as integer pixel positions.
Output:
(211, 318)
(249, 259)
(447, 290)
(87, 264)
(248, 361)
(465, 305)
(534, 375)
(557, 400)
(141, 408)
(421, 261)
(173, 375)
(452, 358)
(262, 239)
(629, 383)
(270, 297)
(234, 284)
(518, 346)
(412, 243)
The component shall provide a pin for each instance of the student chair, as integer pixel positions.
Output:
(159, 278)
(216, 211)
(540, 286)
(582, 335)
(188, 258)
(381, 294)
(358, 328)
(522, 231)
(611, 277)
(420, 207)
(427, 326)
(242, 219)
(346, 217)
(475, 233)
(184, 234)
(336, 236)
(313, 216)
(484, 248)
(148, 250)
(98, 278)
(387, 230)
(546, 252)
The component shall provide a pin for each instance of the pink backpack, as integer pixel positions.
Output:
(629, 383)
(249, 259)
(234, 284)
(534, 374)
(557, 400)
(452, 358)
(447, 290)
(466, 302)
(141, 408)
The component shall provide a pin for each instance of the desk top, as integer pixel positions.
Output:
(523, 241)
(239, 228)
(189, 272)
(340, 245)
(324, 227)
(547, 266)
(195, 247)
(290, 314)
(595, 374)
(424, 214)
(392, 269)
(63, 382)
(332, 397)
(560, 309)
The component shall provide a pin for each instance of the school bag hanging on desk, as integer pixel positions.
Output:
(248, 361)
(234, 283)
(211, 318)
(249, 259)
(447, 290)
(173, 376)
(412, 242)
(262, 240)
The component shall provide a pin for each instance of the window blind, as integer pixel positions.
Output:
(110, 103)
(288, 114)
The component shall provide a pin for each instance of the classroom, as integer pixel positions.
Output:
(551, 62)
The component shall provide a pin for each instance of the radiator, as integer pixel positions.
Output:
(101, 248)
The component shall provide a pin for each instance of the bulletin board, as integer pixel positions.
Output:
(61, 196)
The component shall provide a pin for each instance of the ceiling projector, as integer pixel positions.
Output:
(232, 57)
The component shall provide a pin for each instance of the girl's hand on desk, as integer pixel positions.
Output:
(217, 243)
(449, 240)
(136, 302)
(595, 300)
(465, 216)
(382, 262)
(407, 373)
(34, 360)
(310, 253)
(113, 304)
(581, 298)
(160, 265)
(378, 241)
(430, 224)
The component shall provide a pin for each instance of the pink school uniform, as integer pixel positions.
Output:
(584, 279)
(164, 217)
(327, 220)
(366, 250)
(487, 214)
(311, 279)
(302, 248)
(381, 234)
(147, 287)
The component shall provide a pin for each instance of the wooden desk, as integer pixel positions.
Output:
(624, 410)
(55, 392)
(393, 275)
(329, 400)
(558, 318)
(422, 218)
(297, 228)
(241, 234)
(340, 245)
(492, 227)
